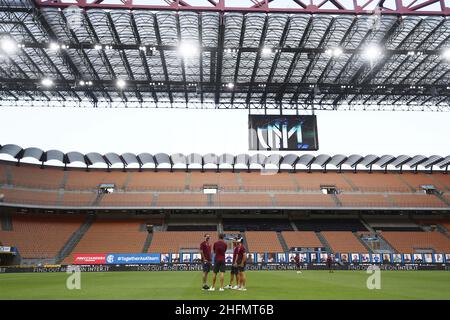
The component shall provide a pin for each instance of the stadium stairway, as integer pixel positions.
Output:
(147, 242)
(366, 225)
(369, 249)
(7, 222)
(336, 200)
(245, 241)
(443, 199)
(74, 239)
(64, 180)
(282, 242)
(98, 199)
(127, 181)
(324, 241)
(9, 177)
(294, 181)
(385, 244)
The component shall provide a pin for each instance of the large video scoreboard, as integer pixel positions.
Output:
(283, 132)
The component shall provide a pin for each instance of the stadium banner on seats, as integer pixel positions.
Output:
(143, 258)
(89, 258)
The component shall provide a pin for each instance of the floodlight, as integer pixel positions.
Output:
(266, 51)
(98, 47)
(54, 46)
(121, 83)
(372, 52)
(446, 53)
(8, 45)
(334, 52)
(47, 82)
(188, 49)
(230, 85)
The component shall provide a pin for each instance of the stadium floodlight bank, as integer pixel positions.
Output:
(329, 55)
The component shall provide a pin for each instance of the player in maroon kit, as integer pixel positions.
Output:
(241, 261)
(205, 251)
(220, 247)
(297, 263)
(234, 267)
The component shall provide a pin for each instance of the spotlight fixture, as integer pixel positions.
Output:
(98, 47)
(54, 46)
(230, 85)
(188, 49)
(120, 83)
(372, 52)
(8, 45)
(82, 83)
(47, 82)
(446, 53)
(266, 51)
(230, 50)
(334, 52)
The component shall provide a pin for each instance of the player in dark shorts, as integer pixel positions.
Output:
(220, 247)
(234, 267)
(330, 263)
(297, 263)
(205, 251)
(241, 261)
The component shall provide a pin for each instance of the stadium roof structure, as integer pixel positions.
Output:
(280, 54)
(225, 161)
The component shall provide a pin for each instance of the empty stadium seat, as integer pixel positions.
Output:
(417, 200)
(112, 236)
(81, 180)
(301, 239)
(304, 200)
(40, 236)
(242, 200)
(365, 200)
(263, 241)
(343, 241)
(314, 180)
(174, 241)
(157, 181)
(33, 197)
(256, 181)
(224, 180)
(33, 176)
(377, 181)
(127, 199)
(327, 224)
(263, 224)
(409, 242)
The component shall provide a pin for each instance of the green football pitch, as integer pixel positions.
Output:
(174, 285)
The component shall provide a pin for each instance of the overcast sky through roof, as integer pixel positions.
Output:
(217, 131)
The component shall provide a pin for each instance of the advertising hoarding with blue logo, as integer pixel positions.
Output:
(144, 258)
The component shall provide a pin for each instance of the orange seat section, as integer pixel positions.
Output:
(40, 236)
(343, 241)
(174, 241)
(263, 241)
